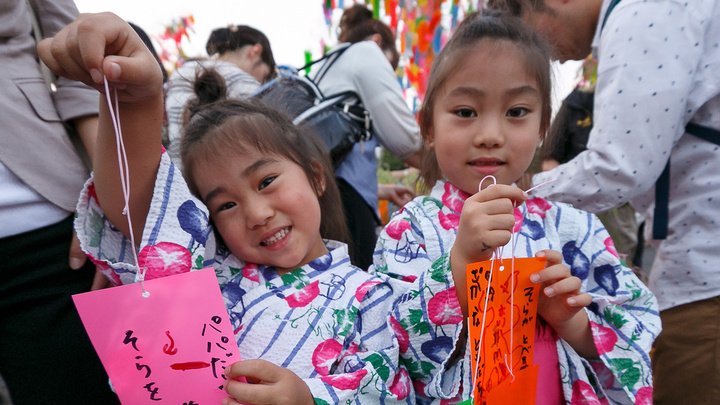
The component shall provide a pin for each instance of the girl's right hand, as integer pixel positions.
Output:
(97, 45)
(271, 384)
(486, 223)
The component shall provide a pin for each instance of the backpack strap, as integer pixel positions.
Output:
(610, 8)
(662, 185)
(331, 57)
(355, 110)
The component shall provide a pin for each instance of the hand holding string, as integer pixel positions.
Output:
(103, 45)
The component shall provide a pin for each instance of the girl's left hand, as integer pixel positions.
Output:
(560, 297)
(271, 384)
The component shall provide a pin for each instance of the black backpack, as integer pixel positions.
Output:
(339, 120)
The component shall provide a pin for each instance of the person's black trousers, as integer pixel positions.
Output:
(45, 355)
(362, 222)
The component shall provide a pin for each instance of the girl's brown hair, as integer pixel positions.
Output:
(220, 127)
(475, 28)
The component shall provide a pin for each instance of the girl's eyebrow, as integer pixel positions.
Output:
(475, 92)
(257, 165)
(212, 194)
(522, 90)
(466, 91)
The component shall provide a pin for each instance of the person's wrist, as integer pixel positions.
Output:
(576, 332)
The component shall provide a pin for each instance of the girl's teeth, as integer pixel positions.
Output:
(275, 238)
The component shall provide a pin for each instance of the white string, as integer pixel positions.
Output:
(498, 252)
(482, 324)
(539, 185)
(124, 170)
(512, 299)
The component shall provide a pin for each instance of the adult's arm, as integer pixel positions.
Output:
(376, 84)
(645, 74)
(72, 98)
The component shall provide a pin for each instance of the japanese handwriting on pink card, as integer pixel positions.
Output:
(508, 337)
(170, 347)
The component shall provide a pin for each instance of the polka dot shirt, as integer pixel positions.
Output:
(658, 70)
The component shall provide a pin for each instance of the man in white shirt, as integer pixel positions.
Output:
(657, 101)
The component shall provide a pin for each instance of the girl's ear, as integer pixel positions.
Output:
(430, 138)
(541, 137)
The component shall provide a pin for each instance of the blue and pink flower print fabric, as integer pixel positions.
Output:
(326, 321)
(624, 319)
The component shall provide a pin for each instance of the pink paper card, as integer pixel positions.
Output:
(169, 347)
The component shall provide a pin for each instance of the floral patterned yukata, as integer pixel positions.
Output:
(326, 321)
(623, 315)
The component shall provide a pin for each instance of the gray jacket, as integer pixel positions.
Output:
(33, 141)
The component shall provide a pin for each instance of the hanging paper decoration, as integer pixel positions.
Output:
(172, 54)
(308, 59)
(421, 27)
(152, 354)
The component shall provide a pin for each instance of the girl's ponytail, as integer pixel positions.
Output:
(209, 87)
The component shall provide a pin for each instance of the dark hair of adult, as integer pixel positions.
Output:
(352, 17)
(357, 24)
(219, 128)
(477, 27)
(234, 37)
(518, 7)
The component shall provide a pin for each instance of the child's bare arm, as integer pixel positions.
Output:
(97, 45)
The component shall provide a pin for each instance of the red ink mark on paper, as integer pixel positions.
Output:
(169, 349)
(190, 365)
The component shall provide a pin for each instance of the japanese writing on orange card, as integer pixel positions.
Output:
(502, 297)
(169, 347)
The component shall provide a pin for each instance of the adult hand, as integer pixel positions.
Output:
(549, 164)
(397, 194)
(77, 260)
(77, 257)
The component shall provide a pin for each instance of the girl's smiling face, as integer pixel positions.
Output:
(263, 206)
(487, 117)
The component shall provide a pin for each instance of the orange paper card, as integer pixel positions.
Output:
(169, 347)
(508, 309)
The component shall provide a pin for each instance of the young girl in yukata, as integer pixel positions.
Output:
(485, 111)
(312, 327)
